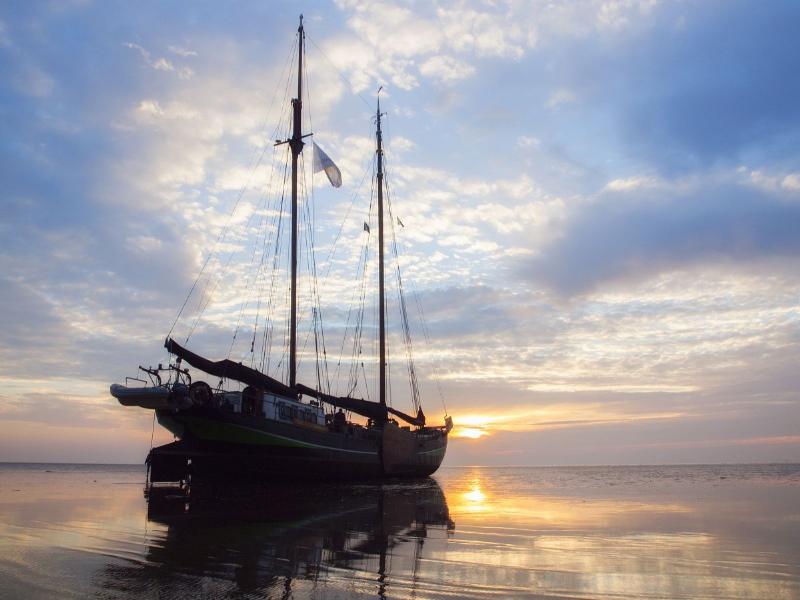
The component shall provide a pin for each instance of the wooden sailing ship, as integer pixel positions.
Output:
(284, 429)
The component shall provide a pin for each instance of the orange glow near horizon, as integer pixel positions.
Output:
(553, 416)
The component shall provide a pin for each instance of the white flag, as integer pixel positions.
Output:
(323, 162)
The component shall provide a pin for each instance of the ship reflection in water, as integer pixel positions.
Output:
(624, 532)
(282, 539)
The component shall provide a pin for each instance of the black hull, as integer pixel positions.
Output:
(224, 446)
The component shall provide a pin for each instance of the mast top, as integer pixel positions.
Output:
(378, 115)
(300, 29)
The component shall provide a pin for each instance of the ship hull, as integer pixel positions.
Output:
(222, 445)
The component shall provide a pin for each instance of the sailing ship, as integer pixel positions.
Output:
(273, 429)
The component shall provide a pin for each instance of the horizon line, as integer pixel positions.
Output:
(698, 464)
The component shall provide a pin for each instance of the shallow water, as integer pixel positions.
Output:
(592, 532)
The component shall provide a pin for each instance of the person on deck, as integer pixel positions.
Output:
(339, 420)
(421, 417)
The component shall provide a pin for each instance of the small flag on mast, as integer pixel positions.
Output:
(323, 162)
(366, 227)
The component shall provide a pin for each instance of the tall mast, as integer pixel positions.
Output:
(296, 144)
(381, 295)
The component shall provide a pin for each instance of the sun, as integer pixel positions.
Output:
(472, 433)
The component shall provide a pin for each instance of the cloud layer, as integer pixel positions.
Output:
(600, 206)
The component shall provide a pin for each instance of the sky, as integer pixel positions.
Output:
(600, 207)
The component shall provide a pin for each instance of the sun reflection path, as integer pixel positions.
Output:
(474, 501)
(484, 497)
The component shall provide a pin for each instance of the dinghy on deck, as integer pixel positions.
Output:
(155, 397)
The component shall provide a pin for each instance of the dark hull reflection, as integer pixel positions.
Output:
(266, 539)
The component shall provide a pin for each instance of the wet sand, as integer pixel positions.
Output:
(593, 532)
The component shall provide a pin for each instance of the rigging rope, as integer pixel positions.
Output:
(357, 354)
(223, 233)
(404, 313)
(413, 383)
(278, 228)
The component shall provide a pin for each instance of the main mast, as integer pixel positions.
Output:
(296, 145)
(381, 295)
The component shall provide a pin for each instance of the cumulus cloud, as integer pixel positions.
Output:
(791, 182)
(444, 42)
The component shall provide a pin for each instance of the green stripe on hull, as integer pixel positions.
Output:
(439, 450)
(219, 431)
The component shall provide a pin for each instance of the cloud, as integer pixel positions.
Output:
(183, 52)
(731, 93)
(482, 32)
(772, 181)
(633, 183)
(444, 42)
(526, 141)
(446, 69)
(161, 63)
(791, 182)
(633, 231)
(54, 409)
(560, 97)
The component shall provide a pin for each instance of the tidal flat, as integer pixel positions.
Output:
(686, 532)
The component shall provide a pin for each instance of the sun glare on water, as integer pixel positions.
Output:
(474, 500)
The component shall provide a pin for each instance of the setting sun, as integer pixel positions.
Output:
(472, 433)
(472, 426)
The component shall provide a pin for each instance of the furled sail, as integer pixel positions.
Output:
(230, 370)
(405, 417)
(365, 408)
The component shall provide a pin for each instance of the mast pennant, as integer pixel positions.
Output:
(323, 162)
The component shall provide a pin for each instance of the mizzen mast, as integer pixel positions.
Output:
(381, 294)
(296, 145)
